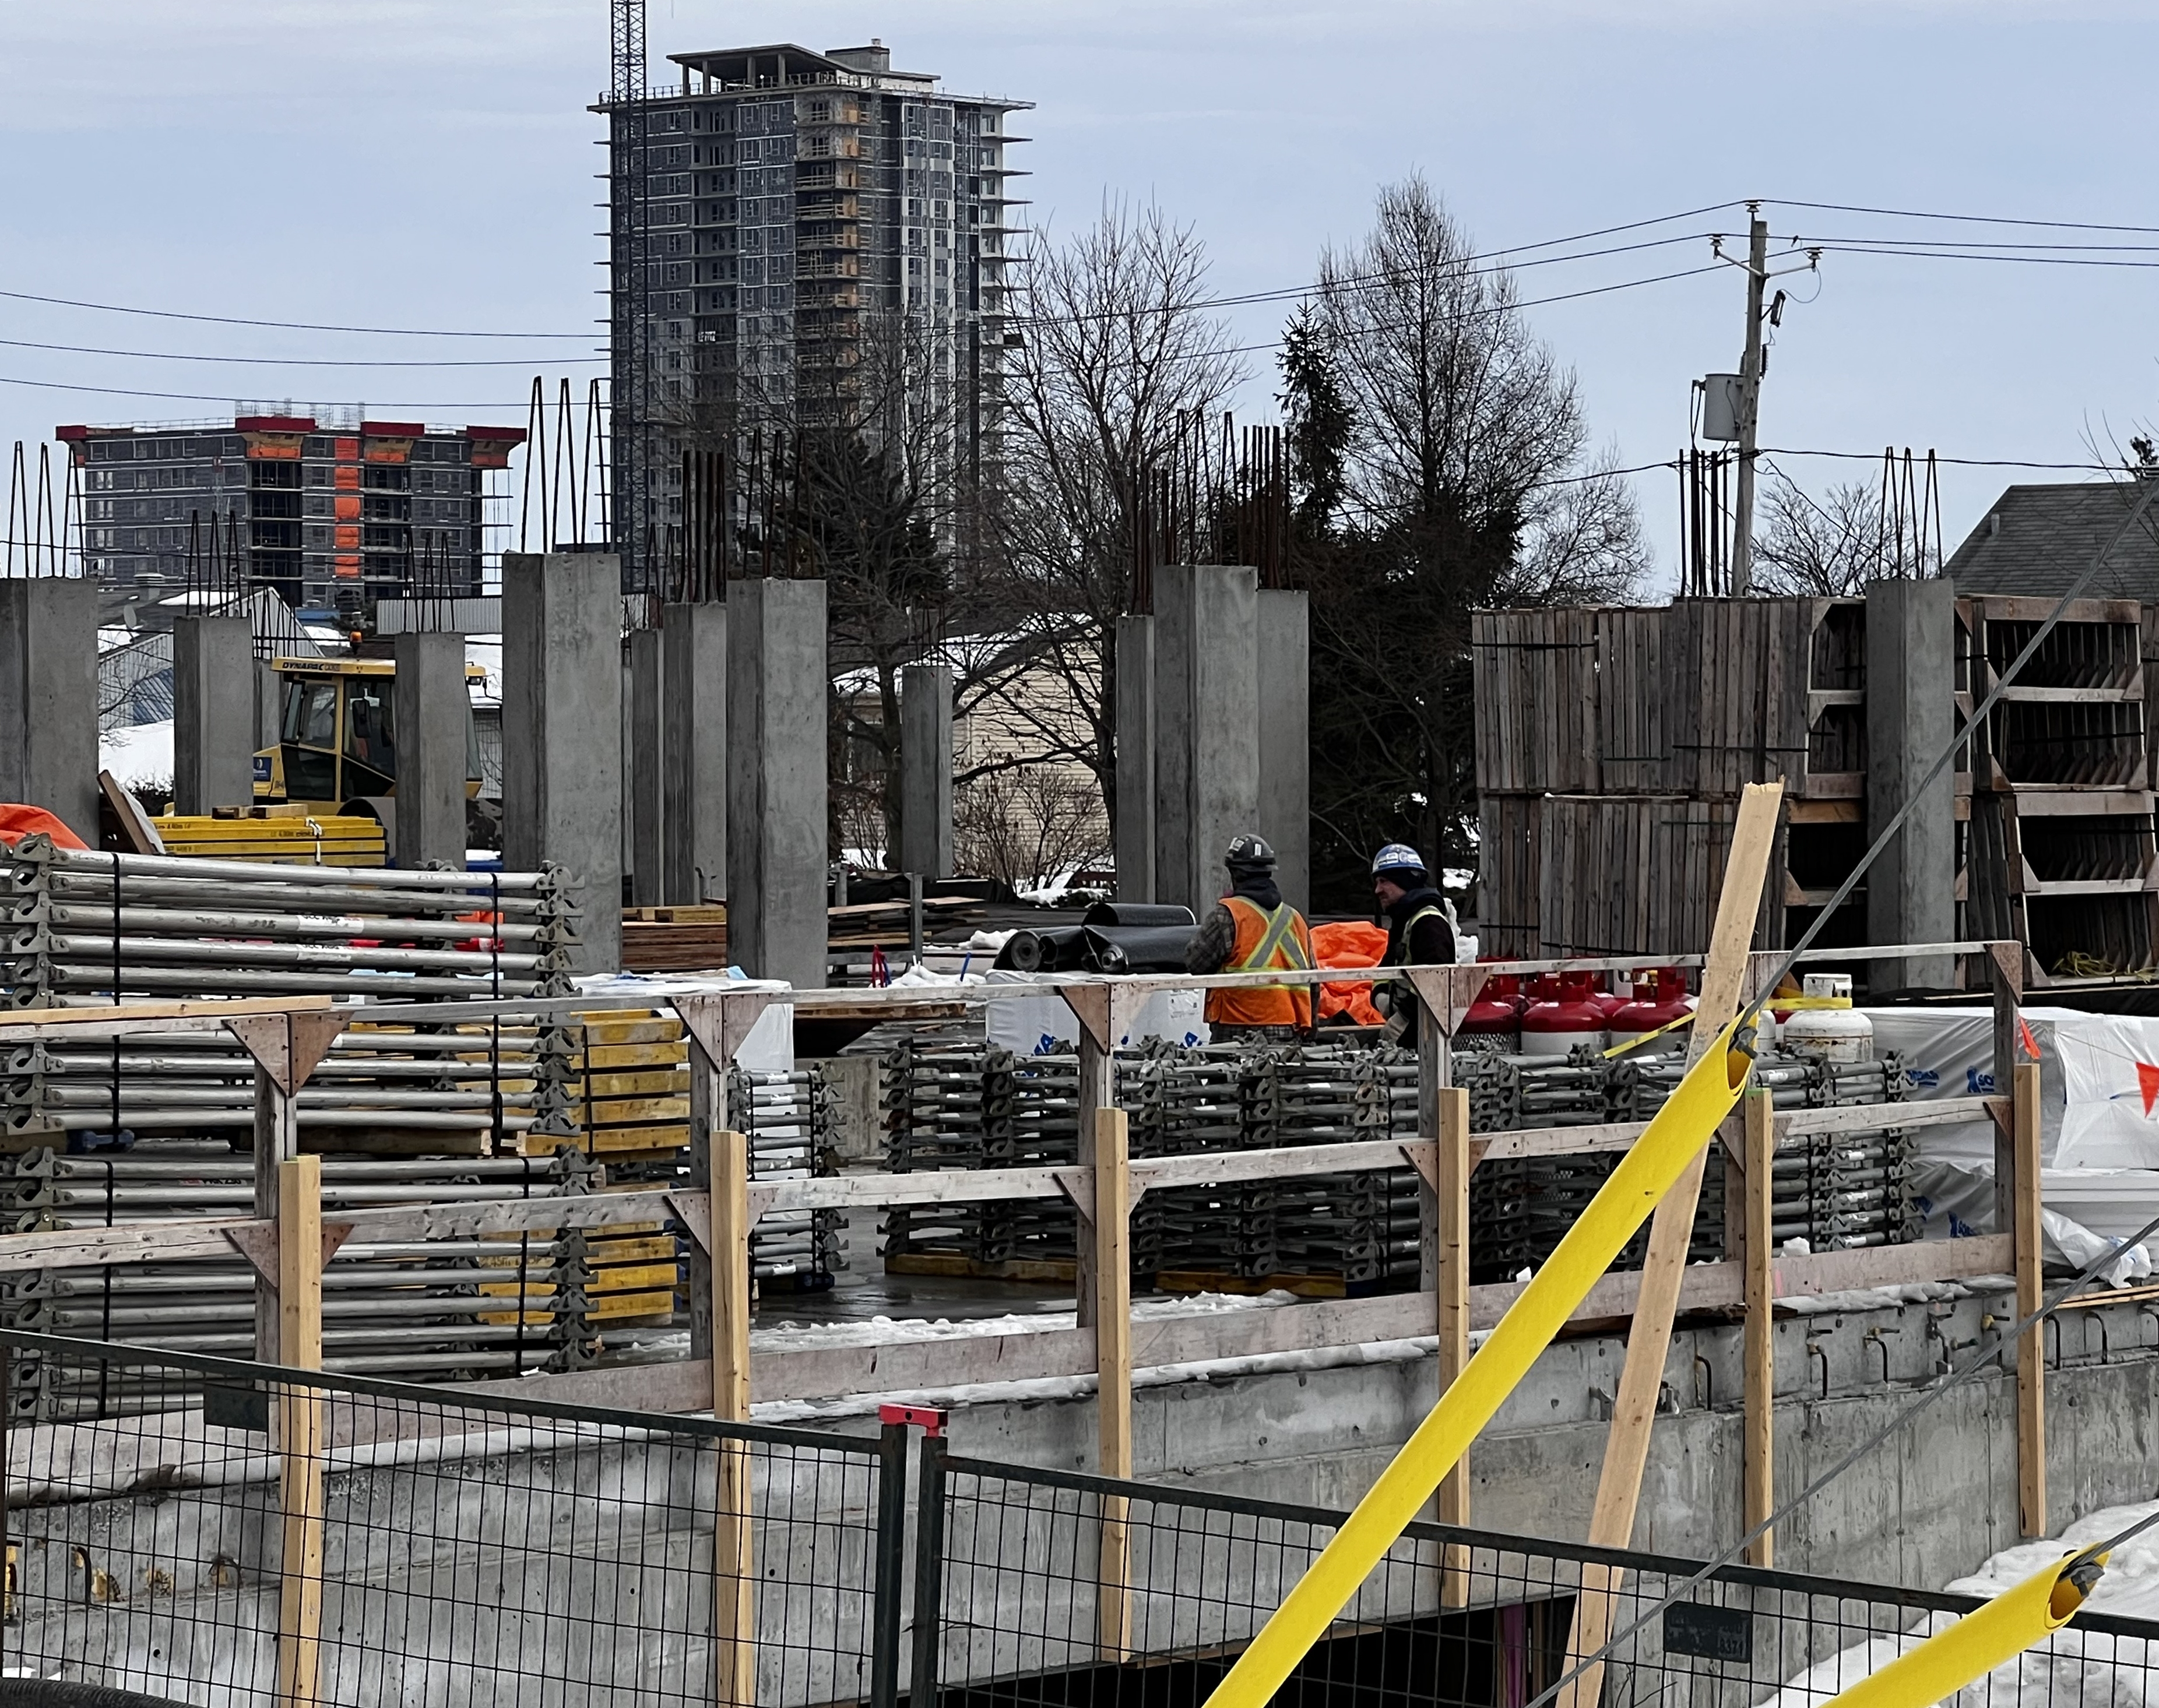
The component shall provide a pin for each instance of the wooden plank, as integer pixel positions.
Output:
(735, 1630)
(2031, 1346)
(1113, 1393)
(1671, 1231)
(300, 1432)
(131, 1017)
(1759, 1154)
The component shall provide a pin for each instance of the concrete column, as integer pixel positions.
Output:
(1284, 691)
(1911, 888)
(213, 713)
(694, 740)
(777, 842)
(925, 771)
(561, 733)
(48, 698)
(1135, 710)
(1207, 736)
(432, 711)
(269, 706)
(643, 771)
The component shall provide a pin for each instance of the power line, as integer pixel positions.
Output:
(221, 396)
(1964, 219)
(287, 325)
(1832, 247)
(288, 361)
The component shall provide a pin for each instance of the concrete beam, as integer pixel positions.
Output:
(1135, 708)
(694, 743)
(433, 712)
(561, 733)
(1285, 691)
(643, 772)
(48, 698)
(214, 725)
(925, 771)
(777, 730)
(1911, 888)
(1207, 736)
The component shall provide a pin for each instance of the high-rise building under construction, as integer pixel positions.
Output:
(798, 238)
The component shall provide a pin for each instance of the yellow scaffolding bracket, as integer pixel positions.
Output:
(1982, 1640)
(1687, 1121)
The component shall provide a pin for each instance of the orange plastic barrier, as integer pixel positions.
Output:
(1348, 943)
(17, 821)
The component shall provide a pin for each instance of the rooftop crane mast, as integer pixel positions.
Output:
(630, 307)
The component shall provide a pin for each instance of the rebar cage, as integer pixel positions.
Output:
(1045, 1589)
(200, 1526)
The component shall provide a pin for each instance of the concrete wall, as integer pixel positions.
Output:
(1929, 1505)
(694, 738)
(643, 740)
(1206, 734)
(925, 771)
(433, 710)
(561, 733)
(1135, 826)
(1282, 634)
(213, 724)
(777, 840)
(1911, 888)
(49, 699)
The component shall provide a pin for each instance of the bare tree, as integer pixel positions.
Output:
(1456, 458)
(1119, 348)
(1027, 825)
(1828, 546)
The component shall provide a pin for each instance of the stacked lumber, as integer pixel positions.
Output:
(885, 924)
(674, 939)
(287, 840)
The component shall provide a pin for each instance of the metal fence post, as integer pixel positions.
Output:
(929, 1572)
(891, 1565)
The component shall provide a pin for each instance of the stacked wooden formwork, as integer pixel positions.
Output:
(2059, 851)
(1612, 745)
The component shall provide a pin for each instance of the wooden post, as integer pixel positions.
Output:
(299, 1208)
(2031, 1347)
(1113, 1361)
(1671, 1232)
(1452, 1174)
(1760, 1350)
(277, 1142)
(734, 1580)
(1097, 1092)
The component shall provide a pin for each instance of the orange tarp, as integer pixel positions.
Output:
(1348, 943)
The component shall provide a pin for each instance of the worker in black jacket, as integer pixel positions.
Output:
(1420, 930)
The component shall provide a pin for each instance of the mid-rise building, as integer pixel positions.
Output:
(327, 516)
(784, 221)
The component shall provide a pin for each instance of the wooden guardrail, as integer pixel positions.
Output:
(287, 1040)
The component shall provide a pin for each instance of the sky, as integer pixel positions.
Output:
(429, 164)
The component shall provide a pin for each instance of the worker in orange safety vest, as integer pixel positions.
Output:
(1250, 928)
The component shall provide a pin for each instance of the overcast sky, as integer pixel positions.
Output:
(428, 164)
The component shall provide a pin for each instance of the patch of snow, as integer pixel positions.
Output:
(138, 752)
(2070, 1666)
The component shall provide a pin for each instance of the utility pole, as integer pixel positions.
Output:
(1750, 405)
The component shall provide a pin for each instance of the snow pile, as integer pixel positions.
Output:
(2085, 1667)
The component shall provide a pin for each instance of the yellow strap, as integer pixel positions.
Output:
(1685, 1123)
(1972, 1648)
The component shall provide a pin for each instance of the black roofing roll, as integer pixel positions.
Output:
(1057, 949)
(1130, 913)
(1138, 949)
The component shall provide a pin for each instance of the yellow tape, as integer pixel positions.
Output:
(1685, 1123)
(1973, 1647)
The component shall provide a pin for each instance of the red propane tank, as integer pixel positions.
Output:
(1563, 1012)
(1494, 1019)
(1660, 1000)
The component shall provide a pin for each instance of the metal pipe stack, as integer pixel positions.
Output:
(85, 926)
(430, 1309)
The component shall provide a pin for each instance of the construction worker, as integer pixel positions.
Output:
(1420, 930)
(1252, 927)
